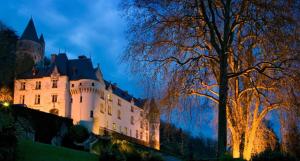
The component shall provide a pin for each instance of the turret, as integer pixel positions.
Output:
(154, 123)
(30, 44)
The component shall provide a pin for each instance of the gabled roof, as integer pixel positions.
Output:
(30, 32)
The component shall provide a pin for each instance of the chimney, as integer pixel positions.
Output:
(53, 57)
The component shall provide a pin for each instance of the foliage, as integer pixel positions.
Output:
(35, 151)
(122, 150)
(8, 42)
(179, 142)
(228, 157)
(8, 140)
(5, 95)
(270, 155)
(78, 133)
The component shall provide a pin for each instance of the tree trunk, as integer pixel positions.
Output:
(235, 145)
(223, 91)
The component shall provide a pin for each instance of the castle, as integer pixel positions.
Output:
(73, 88)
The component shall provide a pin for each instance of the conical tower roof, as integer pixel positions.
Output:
(41, 40)
(30, 32)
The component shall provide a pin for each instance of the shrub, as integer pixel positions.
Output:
(8, 139)
(270, 155)
(78, 133)
(228, 157)
(151, 156)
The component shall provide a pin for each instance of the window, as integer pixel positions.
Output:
(132, 120)
(109, 97)
(119, 102)
(37, 99)
(54, 98)
(23, 86)
(109, 110)
(79, 84)
(38, 85)
(72, 85)
(119, 114)
(93, 84)
(22, 99)
(125, 130)
(137, 134)
(142, 125)
(102, 95)
(114, 126)
(146, 124)
(91, 114)
(54, 83)
(141, 135)
(80, 99)
(101, 108)
(132, 109)
(71, 100)
(141, 113)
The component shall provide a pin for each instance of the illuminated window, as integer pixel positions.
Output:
(132, 109)
(91, 114)
(119, 102)
(109, 97)
(102, 94)
(132, 120)
(114, 126)
(22, 99)
(38, 85)
(141, 113)
(23, 86)
(109, 110)
(54, 83)
(101, 108)
(54, 98)
(119, 114)
(137, 134)
(141, 124)
(37, 99)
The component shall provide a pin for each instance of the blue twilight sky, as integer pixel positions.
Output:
(96, 29)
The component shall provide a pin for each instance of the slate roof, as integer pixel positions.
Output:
(125, 95)
(30, 32)
(75, 69)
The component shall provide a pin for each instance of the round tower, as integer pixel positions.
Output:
(30, 44)
(154, 123)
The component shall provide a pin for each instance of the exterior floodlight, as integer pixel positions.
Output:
(5, 104)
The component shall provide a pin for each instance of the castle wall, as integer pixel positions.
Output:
(45, 93)
(34, 49)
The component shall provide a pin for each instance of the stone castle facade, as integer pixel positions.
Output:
(73, 88)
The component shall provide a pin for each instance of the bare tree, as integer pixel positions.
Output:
(189, 45)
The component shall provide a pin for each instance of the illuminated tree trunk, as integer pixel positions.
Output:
(250, 140)
(235, 145)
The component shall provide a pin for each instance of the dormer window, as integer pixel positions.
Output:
(132, 109)
(23, 86)
(54, 83)
(109, 97)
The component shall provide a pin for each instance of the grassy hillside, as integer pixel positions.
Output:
(33, 151)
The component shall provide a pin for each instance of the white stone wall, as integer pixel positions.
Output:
(91, 101)
(46, 92)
